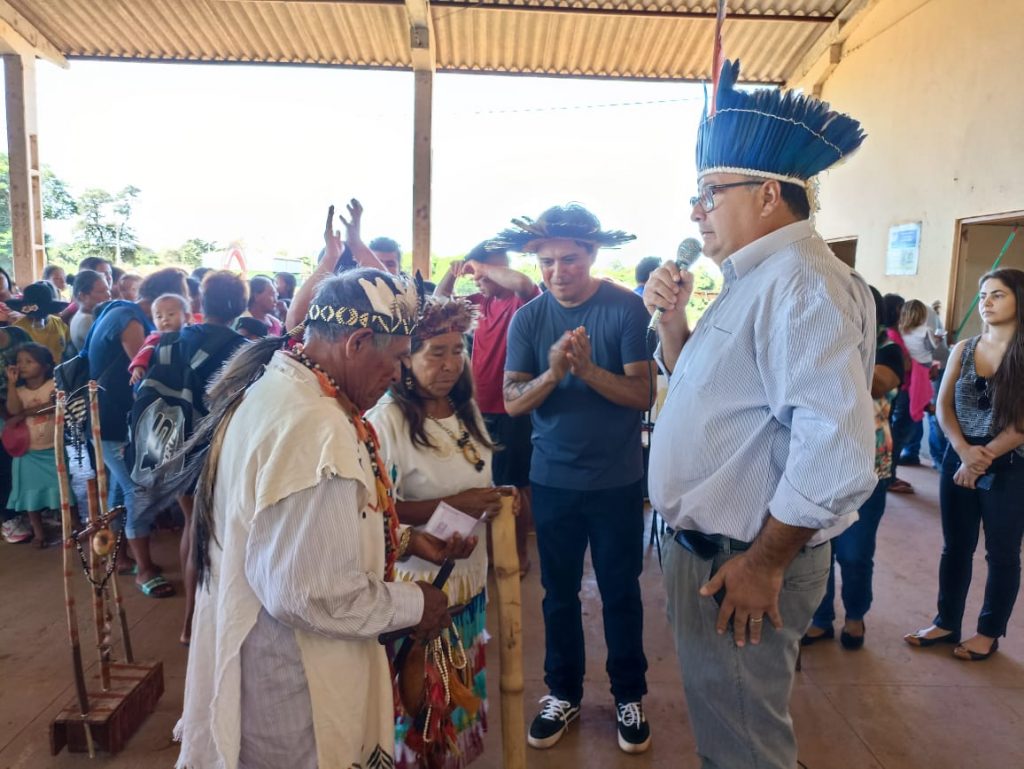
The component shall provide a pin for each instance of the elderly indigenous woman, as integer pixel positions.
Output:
(436, 448)
(296, 541)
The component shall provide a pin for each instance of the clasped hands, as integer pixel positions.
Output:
(974, 463)
(572, 353)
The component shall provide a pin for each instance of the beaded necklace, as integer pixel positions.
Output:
(366, 434)
(464, 442)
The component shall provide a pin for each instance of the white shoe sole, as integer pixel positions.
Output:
(550, 742)
(630, 747)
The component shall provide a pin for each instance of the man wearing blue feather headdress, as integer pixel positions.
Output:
(764, 449)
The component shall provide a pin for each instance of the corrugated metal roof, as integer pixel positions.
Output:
(669, 39)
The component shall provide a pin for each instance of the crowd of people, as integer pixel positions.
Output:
(310, 470)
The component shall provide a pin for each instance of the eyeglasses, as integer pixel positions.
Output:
(705, 196)
(984, 401)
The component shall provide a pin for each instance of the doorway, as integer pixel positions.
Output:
(845, 249)
(978, 243)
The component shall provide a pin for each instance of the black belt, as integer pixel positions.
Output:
(707, 546)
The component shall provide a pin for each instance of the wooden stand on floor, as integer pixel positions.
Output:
(115, 714)
(510, 623)
(110, 708)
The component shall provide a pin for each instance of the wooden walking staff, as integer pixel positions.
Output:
(101, 490)
(510, 632)
(99, 608)
(69, 594)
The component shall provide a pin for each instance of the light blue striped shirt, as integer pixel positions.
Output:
(769, 407)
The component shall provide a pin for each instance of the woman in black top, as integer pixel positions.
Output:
(981, 410)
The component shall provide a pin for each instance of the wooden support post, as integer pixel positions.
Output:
(25, 181)
(422, 53)
(421, 172)
(510, 632)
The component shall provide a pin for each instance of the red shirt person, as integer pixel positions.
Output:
(501, 291)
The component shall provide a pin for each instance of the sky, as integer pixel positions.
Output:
(257, 153)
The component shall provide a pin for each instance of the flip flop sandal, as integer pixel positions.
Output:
(158, 587)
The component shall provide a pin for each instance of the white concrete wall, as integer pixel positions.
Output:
(939, 88)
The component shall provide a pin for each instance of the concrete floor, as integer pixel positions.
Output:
(886, 707)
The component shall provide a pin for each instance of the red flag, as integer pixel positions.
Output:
(717, 58)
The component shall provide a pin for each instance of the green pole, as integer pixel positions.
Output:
(995, 265)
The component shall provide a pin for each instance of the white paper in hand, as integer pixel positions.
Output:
(447, 521)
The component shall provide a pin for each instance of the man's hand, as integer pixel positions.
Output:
(751, 596)
(558, 357)
(579, 352)
(354, 222)
(137, 374)
(435, 616)
(977, 459)
(670, 289)
(332, 243)
(435, 550)
(483, 503)
(458, 268)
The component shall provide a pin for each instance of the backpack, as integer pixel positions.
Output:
(165, 404)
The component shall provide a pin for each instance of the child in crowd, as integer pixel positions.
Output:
(30, 396)
(128, 286)
(170, 315)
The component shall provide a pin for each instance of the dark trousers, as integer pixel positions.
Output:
(854, 549)
(1001, 511)
(611, 521)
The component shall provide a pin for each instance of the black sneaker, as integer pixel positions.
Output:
(552, 721)
(634, 731)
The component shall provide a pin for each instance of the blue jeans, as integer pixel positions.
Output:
(121, 487)
(1001, 511)
(612, 522)
(906, 433)
(937, 441)
(855, 551)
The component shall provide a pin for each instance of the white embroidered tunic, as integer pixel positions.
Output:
(286, 631)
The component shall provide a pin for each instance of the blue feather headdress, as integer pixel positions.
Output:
(775, 135)
(570, 222)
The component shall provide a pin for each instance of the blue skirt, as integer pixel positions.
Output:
(34, 483)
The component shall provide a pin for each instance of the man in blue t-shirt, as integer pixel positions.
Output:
(578, 361)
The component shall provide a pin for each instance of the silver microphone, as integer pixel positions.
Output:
(687, 253)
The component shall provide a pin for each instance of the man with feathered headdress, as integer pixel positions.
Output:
(296, 541)
(764, 449)
(578, 362)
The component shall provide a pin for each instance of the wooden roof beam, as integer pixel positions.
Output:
(18, 35)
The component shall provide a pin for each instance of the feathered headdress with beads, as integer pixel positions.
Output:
(443, 315)
(395, 303)
(569, 222)
(773, 134)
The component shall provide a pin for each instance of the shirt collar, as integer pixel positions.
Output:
(752, 254)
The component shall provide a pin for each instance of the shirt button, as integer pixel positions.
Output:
(364, 513)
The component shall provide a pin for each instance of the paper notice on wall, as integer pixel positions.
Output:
(447, 521)
(904, 249)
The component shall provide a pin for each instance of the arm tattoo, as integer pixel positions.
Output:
(517, 388)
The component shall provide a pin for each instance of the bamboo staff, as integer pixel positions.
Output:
(101, 490)
(69, 594)
(98, 603)
(510, 624)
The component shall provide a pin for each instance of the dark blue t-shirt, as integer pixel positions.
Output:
(108, 365)
(581, 440)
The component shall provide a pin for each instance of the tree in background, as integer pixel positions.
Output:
(104, 228)
(58, 204)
